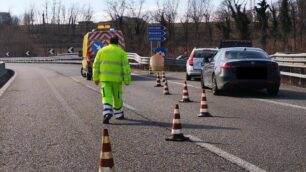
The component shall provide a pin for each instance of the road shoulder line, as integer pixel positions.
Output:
(229, 157)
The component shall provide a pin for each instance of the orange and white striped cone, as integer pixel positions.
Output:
(106, 156)
(176, 132)
(185, 97)
(163, 77)
(158, 84)
(166, 88)
(204, 107)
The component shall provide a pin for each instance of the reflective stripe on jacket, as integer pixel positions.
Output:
(111, 64)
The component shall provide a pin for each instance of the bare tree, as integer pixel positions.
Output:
(116, 10)
(185, 20)
(242, 21)
(223, 16)
(197, 9)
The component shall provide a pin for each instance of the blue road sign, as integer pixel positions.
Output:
(156, 27)
(161, 51)
(156, 33)
(96, 46)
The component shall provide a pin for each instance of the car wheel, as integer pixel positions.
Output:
(82, 72)
(214, 88)
(188, 77)
(273, 91)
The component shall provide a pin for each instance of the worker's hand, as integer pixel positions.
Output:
(97, 82)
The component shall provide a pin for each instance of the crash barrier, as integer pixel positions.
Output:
(292, 67)
(6, 76)
(2, 69)
(171, 64)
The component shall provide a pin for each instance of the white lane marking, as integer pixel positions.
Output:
(178, 83)
(232, 158)
(129, 107)
(92, 88)
(74, 79)
(71, 113)
(281, 104)
(6, 86)
(96, 90)
(262, 100)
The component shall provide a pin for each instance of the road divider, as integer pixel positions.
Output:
(176, 130)
(106, 156)
(166, 89)
(11, 74)
(158, 83)
(204, 107)
(185, 96)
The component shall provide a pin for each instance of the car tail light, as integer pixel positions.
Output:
(226, 66)
(273, 66)
(191, 58)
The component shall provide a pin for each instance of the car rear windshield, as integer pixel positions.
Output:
(245, 55)
(204, 53)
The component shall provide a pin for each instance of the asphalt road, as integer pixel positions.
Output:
(51, 120)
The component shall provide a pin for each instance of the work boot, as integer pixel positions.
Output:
(106, 118)
(121, 117)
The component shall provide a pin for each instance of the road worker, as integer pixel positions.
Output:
(111, 69)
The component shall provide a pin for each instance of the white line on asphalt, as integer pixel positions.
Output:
(96, 90)
(74, 79)
(5, 87)
(178, 83)
(129, 107)
(70, 112)
(236, 160)
(281, 103)
(92, 88)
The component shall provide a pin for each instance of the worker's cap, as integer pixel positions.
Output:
(114, 40)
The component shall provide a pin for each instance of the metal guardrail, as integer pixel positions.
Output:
(297, 61)
(2, 69)
(138, 60)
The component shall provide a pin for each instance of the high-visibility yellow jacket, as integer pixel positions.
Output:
(111, 64)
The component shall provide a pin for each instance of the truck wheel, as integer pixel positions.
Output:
(82, 72)
(88, 76)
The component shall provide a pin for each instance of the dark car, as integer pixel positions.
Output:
(241, 68)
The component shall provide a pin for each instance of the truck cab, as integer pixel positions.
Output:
(93, 42)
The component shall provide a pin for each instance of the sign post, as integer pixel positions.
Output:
(156, 33)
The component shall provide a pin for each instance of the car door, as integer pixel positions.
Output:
(198, 60)
(208, 71)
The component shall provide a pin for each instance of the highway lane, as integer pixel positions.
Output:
(50, 122)
(251, 126)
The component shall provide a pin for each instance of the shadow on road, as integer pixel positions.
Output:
(134, 122)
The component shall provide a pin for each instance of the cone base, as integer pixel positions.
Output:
(206, 114)
(185, 101)
(178, 138)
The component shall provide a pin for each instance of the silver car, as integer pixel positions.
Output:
(241, 68)
(195, 61)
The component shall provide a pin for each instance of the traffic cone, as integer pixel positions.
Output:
(204, 107)
(158, 84)
(185, 97)
(106, 156)
(163, 77)
(166, 89)
(176, 132)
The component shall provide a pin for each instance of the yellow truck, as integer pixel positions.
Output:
(92, 42)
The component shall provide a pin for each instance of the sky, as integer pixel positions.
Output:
(18, 7)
